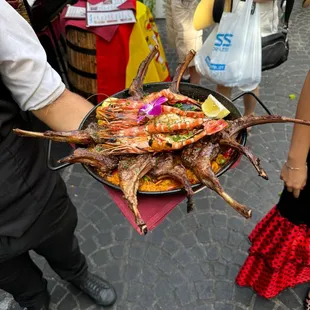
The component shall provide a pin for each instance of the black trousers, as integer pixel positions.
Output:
(52, 236)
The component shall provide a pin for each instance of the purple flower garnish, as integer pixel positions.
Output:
(151, 109)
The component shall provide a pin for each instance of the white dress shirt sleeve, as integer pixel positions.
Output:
(23, 65)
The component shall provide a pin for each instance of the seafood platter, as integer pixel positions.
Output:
(162, 138)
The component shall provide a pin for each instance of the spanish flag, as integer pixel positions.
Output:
(119, 59)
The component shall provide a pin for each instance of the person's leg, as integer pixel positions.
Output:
(250, 103)
(21, 278)
(186, 37)
(225, 91)
(62, 250)
(63, 254)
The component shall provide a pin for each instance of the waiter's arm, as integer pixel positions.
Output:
(65, 113)
(34, 84)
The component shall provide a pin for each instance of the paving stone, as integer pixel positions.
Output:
(223, 306)
(132, 271)
(162, 288)
(289, 299)
(219, 235)
(223, 290)
(120, 289)
(208, 270)
(104, 239)
(220, 270)
(147, 298)
(118, 251)
(235, 224)
(122, 233)
(157, 237)
(263, 304)
(203, 235)
(212, 252)
(104, 225)
(68, 303)
(177, 278)
(113, 272)
(89, 231)
(58, 294)
(219, 220)
(194, 273)
(205, 289)
(301, 290)
(204, 219)
(152, 255)
(134, 291)
(171, 246)
(198, 252)
(136, 251)
(185, 294)
(101, 257)
(188, 240)
(184, 257)
(176, 229)
(149, 275)
(243, 295)
(235, 239)
(166, 264)
(88, 246)
(166, 300)
(96, 215)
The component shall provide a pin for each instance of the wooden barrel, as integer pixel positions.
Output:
(81, 59)
(19, 6)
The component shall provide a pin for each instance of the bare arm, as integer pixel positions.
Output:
(294, 172)
(300, 141)
(65, 113)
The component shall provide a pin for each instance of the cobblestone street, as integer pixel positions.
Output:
(190, 261)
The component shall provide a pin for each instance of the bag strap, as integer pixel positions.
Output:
(218, 9)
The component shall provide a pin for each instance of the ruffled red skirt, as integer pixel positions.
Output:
(279, 256)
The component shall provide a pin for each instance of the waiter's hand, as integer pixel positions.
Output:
(294, 180)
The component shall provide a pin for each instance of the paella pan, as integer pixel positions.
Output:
(160, 134)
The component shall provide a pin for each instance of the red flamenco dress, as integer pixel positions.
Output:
(279, 257)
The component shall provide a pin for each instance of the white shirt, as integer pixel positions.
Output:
(23, 65)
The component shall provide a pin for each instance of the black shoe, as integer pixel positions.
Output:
(100, 290)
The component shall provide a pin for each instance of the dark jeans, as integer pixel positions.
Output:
(51, 236)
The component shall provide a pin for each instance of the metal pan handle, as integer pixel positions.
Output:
(49, 159)
(257, 99)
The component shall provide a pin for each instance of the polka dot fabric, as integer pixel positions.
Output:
(279, 256)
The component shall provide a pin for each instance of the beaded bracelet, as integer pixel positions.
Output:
(292, 168)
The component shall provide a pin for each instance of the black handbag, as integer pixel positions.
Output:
(275, 47)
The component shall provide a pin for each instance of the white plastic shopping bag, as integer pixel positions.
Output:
(231, 55)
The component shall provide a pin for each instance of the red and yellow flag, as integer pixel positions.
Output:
(119, 59)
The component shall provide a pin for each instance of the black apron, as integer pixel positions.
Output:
(26, 184)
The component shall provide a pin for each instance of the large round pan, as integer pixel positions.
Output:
(193, 91)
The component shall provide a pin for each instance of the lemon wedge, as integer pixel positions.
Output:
(213, 108)
(108, 101)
